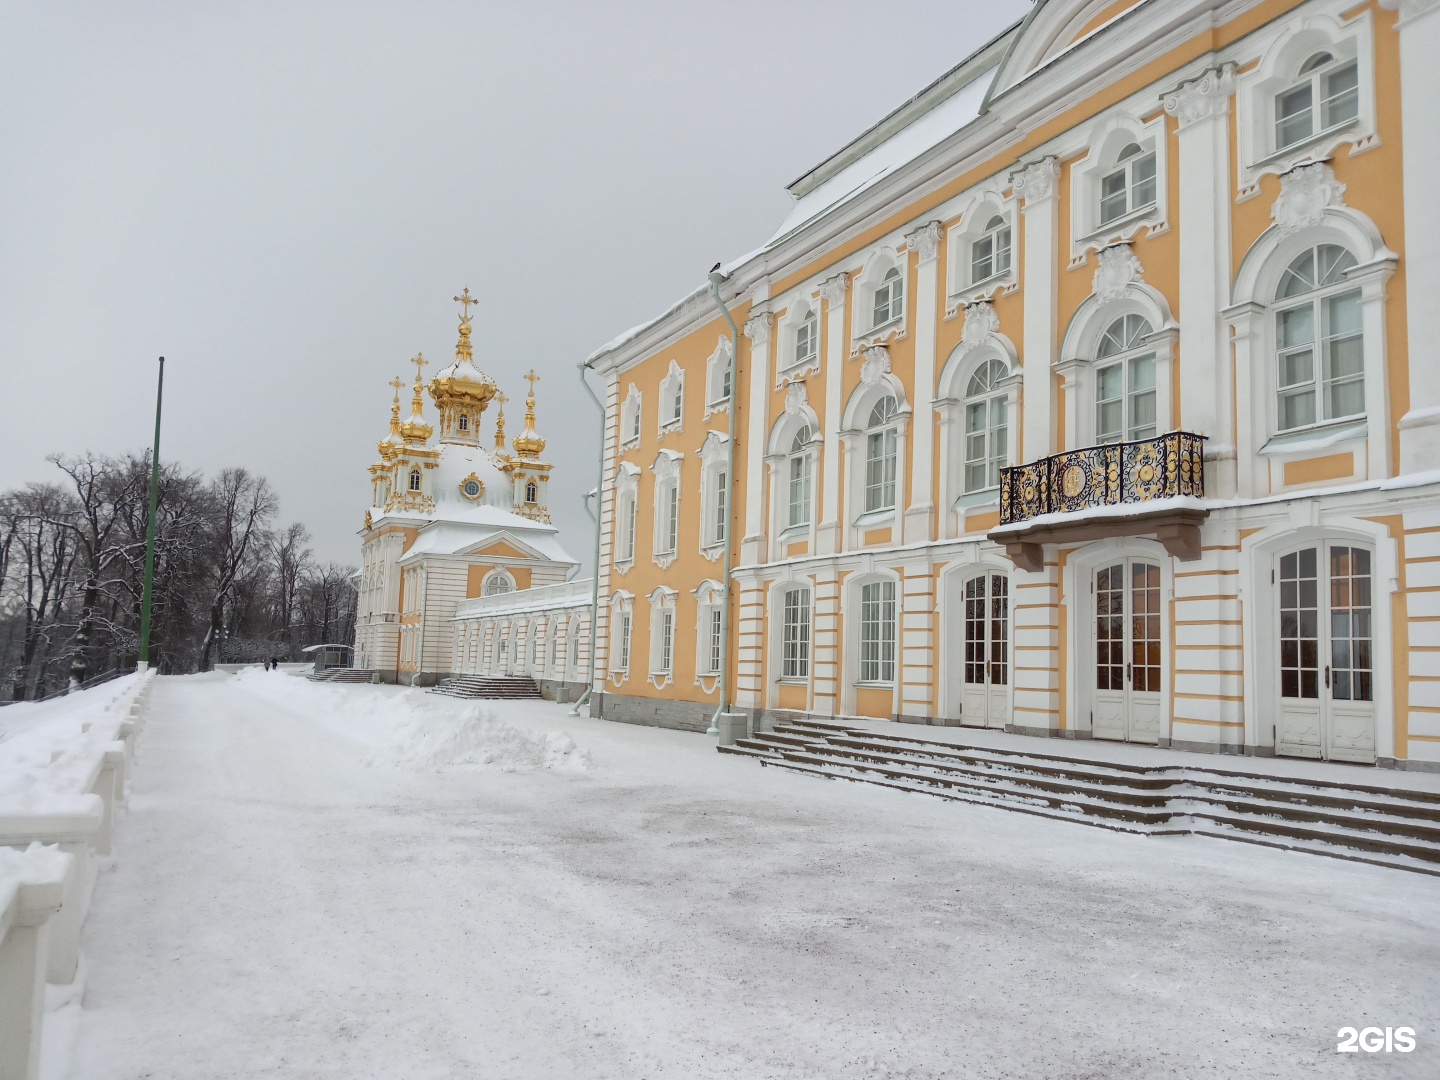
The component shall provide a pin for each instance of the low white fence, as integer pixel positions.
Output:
(56, 819)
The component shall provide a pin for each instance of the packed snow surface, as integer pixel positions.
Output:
(280, 908)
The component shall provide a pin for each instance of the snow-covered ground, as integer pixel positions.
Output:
(321, 881)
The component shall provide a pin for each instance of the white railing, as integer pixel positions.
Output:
(525, 601)
(57, 818)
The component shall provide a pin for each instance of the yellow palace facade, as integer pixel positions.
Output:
(1082, 396)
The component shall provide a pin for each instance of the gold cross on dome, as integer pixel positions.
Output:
(501, 399)
(399, 384)
(465, 300)
(532, 379)
(419, 362)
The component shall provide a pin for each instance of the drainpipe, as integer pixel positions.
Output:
(594, 577)
(715, 279)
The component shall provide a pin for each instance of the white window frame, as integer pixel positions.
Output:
(627, 513)
(996, 442)
(498, 577)
(672, 400)
(709, 649)
(662, 635)
(666, 542)
(790, 363)
(1315, 299)
(877, 652)
(718, 370)
(622, 624)
(863, 328)
(1284, 47)
(714, 493)
(797, 631)
(1126, 360)
(631, 417)
(1108, 137)
(886, 435)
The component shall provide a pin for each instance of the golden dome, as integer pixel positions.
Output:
(390, 444)
(528, 444)
(416, 428)
(462, 384)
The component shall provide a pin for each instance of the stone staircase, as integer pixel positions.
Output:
(1365, 823)
(494, 687)
(343, 675)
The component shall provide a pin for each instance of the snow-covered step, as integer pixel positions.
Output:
(1392, 826)
(490, 687)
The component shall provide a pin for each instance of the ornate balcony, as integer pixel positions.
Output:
(1128, 488)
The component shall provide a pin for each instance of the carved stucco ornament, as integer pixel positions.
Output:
(1118, 267)
(981, 322)
(876, 364)
(1305, 194)
(796, 398)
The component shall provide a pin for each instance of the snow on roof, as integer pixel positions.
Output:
(922, 134)
(450, 536)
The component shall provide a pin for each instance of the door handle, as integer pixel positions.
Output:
(1327, 676)
(1129, 673)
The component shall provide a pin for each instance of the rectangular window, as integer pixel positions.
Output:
(1341, 102)
(667, 639)
(622, 643)
(880, 456)
(800, 493)
(721, 519)
(807, 340)
(877, 632)
(982, 258)
(669, 519)
(1293, 116)
(1142, 398)
(1112, 197)
(1344, 356)
(795, 635)
(627, 530)
(1110, 404)
(714, 637)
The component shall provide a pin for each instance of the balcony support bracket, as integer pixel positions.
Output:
(1178, 530)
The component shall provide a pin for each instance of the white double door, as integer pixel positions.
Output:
(1129, 652)
(1326, 671)
(985, 666)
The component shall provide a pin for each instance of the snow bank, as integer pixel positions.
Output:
(410, 729)
(473, 741)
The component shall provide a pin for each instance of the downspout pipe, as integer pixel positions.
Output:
(715, 279)
(595, 517)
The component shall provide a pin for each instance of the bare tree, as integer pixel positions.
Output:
(40, 526)
(243, 505)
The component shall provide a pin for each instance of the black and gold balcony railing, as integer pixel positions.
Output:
(1107, 475)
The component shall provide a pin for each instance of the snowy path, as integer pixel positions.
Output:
(280, 909)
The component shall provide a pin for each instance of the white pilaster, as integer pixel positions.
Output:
(919, 518)
(1202, 108)
(1419, 29)
(1038, 184)
(757, 329)
(827, 534)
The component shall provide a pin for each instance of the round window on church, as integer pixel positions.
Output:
(472, 487)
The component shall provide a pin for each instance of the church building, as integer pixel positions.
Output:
(1093, 393)
(458, 531)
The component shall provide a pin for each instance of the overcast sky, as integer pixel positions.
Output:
(282, 198)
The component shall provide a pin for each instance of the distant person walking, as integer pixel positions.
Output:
(267, 663)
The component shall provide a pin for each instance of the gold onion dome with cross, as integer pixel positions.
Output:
(391, 443)
(415, 428)
(462, 388)
(528, 444)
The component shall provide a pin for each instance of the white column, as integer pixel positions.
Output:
(750, 672)
(825, 678)
(1202, 107)
(1252, 475)
(919, 519)
(828, 533)
(1419, 30)
(1038, 185)
(599, 655)
(917, 642)
(757, 329)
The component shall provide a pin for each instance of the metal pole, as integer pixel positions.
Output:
(148, 595)
(595, 577)
(715, 279)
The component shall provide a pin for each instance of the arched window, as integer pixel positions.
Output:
(534, 646)
(1320, 360)
(1325, 96)
(801, 479)
(496, 583)
(531, 492)
(464, 422)
(414, 479)
(795, 633)
(880, 455)
(807, 338)
(1125, 382)
(889, 301)
(987, 422)
(1130, 186)
(990, 252)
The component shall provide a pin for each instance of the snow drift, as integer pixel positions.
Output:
(476, 740)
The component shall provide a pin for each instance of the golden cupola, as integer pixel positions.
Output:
(391, 443)
(415, 428)
(528, 444)
(461, 391)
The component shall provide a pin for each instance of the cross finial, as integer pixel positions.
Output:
(420, 362)
(532, 379)
(501, 399)
(399, 384)
(465, 300)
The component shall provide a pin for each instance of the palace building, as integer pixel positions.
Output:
(456, 533)
(1084, 395)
